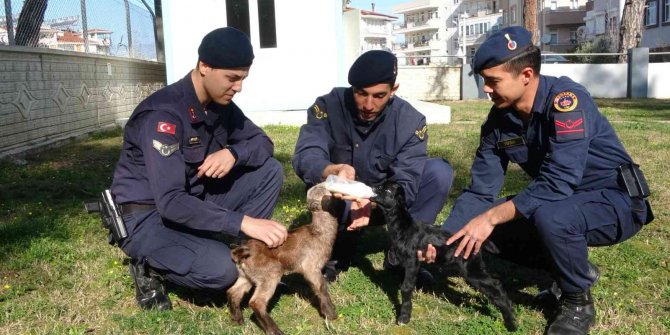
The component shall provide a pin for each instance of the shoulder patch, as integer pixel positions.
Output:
(565, 101)
(318, 112)
(570, 126)
(421, 132)
(165, 149)
(168, 128)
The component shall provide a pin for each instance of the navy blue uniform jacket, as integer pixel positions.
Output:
(393, 147)
(567, 147)
(167, 138)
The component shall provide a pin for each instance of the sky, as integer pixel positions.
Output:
(105, 14)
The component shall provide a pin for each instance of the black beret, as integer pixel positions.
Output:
(502, 46)
(373, 67)
(226, 48)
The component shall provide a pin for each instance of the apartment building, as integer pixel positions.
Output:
(656, 35)
(602, 19)
(68, 40)
(366, 30)
(559, 21)
(443, 31)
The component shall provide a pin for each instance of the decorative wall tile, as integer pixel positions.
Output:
(24, 101)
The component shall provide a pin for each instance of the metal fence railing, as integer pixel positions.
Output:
(123, 28)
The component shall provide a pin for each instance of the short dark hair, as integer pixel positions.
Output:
(529, 58)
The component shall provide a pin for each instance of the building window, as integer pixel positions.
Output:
(666, 10)
(267, 26)
(512, 14)
(573, 36)
(237, 15)
(574, 4)
(554, 36)
(554, 5)
(650, 13)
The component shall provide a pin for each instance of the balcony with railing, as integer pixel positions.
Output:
(410, 27)
(417, 5)
(418, 46)
(563, 17)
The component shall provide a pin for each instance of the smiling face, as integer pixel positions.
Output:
(221, 85)
(371, 100)
(505, 88)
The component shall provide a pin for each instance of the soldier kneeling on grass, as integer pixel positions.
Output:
(192, 167)
(585, 191)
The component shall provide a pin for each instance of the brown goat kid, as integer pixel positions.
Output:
(306, 251)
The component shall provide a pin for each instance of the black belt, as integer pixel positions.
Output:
(130, 208)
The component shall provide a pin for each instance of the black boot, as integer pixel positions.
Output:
(576, 315)
(551, 296)
(149, 290)
(333, 268)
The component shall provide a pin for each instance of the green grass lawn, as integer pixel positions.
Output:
(59, 276)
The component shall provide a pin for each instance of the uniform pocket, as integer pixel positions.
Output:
(341, 154)
(383, 162)
(518, 154)
(194, 154)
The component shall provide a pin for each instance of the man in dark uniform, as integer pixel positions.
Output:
(193, 166)
(366, 133)
(578, 197)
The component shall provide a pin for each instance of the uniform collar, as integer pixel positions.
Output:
(541, 95)
(195, 111)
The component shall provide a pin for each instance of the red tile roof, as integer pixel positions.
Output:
(70, 37)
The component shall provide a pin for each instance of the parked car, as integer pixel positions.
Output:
(552, 58)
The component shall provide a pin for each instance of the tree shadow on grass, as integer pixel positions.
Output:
(515, 278)
(39, 198)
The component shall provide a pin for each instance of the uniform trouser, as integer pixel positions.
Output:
(195, 259)
(436, 181)
(557, 235)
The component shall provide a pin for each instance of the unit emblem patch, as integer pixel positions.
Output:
(565, 101)
(421, 132)
(318, 113)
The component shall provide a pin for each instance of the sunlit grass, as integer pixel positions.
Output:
(59, 276)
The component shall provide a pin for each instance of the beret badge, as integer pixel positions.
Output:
(511, 44)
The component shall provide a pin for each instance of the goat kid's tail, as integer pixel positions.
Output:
(240, 253)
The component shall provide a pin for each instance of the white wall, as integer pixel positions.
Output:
(307, 62)
(659, 81)
(602, 80)
(352, 36)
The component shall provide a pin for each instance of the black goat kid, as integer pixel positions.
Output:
(408, 236)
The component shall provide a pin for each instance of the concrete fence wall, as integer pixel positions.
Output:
(47, 96)
(432, 82)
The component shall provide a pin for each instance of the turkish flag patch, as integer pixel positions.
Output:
(164, 127)
(570, 125)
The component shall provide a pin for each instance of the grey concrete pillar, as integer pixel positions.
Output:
(638, 71)
(472, 85)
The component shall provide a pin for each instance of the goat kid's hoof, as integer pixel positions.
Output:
(511, 325)
(330, 316)
(238, 321)
(403, 320)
